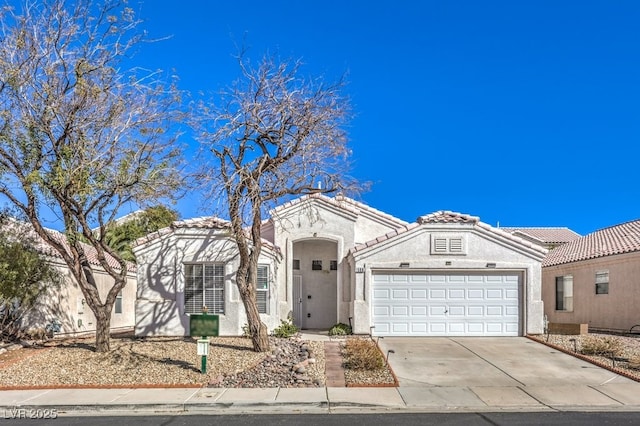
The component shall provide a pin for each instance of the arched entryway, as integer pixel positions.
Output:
(315, 283)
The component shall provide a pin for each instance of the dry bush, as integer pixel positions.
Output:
(362, 354)
(634, 362)
(603, 346)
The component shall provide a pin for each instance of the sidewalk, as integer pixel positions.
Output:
(604, 394)
(319, 400)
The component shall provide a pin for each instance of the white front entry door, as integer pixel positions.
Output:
(452, 304)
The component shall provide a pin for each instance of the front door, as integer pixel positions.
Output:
(297, 301)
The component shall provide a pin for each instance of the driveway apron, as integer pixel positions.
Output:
(488, 361)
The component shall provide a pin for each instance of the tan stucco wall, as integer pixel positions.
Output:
(66, 303)
(617, 310)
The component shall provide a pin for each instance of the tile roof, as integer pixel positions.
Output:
(446, 216)
(618, 239)
(449, 217)
(205, 222)
(45, 249)
(345, 203)
(548, 235)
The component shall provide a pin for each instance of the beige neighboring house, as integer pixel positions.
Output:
(65, 304)
(548, 237)
(336, 260)
(595, 279)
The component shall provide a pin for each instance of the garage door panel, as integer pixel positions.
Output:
(418, 293)
(437, 311)
(457, 293)
(382, 293)
(475, 311)
(493, 293)
(381, 311)
(473, 304)
(475, 293)
(418, 311)
(437, 293)
(494, 311)
(459, 311)
(400, 311)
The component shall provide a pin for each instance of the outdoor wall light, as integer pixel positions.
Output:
(404, 264)
(491, 265)
(447, 263)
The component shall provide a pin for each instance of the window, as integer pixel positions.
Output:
(262, 289)
(316, 265)
(296, 264)
(602, 282)
(204, 286)
(333, 265)
(445, 244)
(118, 305)
(564, 293)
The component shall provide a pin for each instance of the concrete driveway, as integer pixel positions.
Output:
(488, 361)
(481, 373)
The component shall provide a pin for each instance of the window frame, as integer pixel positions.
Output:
(316, 265)
(117, 306)
(564, 295)
(602, 282)
(216, 286)
(265, 291)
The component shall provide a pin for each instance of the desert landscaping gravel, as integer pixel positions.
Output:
(164, 361)
(628, 361)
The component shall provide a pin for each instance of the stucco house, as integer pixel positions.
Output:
(329, 260)
(548, 237)
(65, 305)
(595, 280)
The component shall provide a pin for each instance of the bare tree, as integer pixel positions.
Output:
(275, 135)
(79, 137)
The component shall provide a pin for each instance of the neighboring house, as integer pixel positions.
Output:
(65, 303)
(330, 260)
(548, 237)
(595, 280)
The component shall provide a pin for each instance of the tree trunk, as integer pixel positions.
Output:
(257, 329)
(103, 322)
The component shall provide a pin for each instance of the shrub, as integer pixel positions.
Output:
(634, 362)
(286, 329)
(603, 346)
(362, 354)
(340, 329)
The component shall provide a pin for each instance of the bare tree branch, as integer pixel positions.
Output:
(273, 135)
(78, 135)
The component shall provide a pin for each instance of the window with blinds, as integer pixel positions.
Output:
(204, 286)
(602, 282)
(262, 289)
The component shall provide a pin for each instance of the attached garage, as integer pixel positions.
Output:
(446, 304)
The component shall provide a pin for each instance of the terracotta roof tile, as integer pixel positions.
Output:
(618, 239)
(446, 216)
(548, 235)
(45, 249)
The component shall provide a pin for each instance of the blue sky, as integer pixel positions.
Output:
(524, 113)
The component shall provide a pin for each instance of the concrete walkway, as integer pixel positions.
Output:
(473, 379)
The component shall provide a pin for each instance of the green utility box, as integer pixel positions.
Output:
(203, 325)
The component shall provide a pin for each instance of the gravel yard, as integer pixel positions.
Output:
(627, 362)
(164, 362)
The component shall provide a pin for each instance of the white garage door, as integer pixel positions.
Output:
(413, 304)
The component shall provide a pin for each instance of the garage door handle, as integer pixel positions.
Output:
(446, 310)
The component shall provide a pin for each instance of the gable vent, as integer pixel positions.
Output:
(448, 244)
